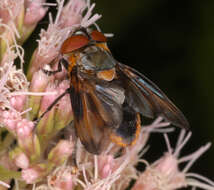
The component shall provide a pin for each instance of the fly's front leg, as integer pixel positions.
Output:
(63, 62)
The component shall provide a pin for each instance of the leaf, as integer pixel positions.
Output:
(8, 174)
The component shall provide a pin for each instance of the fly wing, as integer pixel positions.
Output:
(96, 113)
(145, 97)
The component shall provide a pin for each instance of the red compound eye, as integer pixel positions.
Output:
(74, 43)
(98, 36)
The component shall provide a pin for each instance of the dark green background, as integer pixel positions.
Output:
(172, 43)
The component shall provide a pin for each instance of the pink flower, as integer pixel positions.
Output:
(24, 128)
(62, 178)
(48, 100)
(10, 119)
(34, 11)
(39, 81)
(61, 152)
(22, 161)
(10, 9)
(72, 13)
(64, 114)
(106, 164)
(18, 102)
(30, 175)
(51, 40)
(165, 174)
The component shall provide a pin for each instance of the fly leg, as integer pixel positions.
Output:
(51, 106)
(62, 62)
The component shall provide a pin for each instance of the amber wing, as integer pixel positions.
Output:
(96, 113)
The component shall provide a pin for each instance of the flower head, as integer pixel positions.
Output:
(68, 18)
(164, 174)
(35, 11)
(10, 9)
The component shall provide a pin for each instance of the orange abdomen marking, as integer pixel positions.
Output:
(121, 142)
(107, 75)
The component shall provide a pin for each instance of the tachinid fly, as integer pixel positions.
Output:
(107, 97)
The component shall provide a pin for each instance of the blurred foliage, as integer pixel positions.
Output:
(172, 43)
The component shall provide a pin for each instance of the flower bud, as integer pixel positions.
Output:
(38, 84)
(63, 114)
(72, 13)
(106, 165)
(30, 175)
(61, 152)
(62, 179)
(10, 120)
(24, 128)
(45, 126)
(18, 102)
(34, 173)
(20, 159)
(30, 145)
(34, 12)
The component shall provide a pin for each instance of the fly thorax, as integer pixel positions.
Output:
(96, 59)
